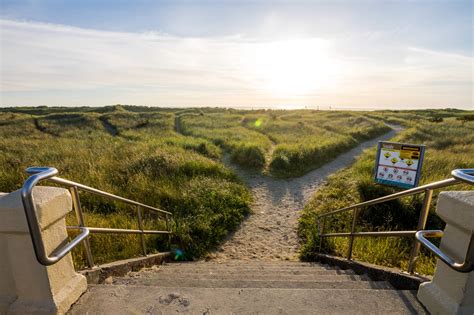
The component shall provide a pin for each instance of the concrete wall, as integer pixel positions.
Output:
(26, 286)
(452, 292)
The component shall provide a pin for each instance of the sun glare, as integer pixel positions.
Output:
(294, 68)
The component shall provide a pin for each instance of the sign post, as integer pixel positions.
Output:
(399, 164)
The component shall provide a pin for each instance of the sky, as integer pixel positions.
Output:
(363, 54)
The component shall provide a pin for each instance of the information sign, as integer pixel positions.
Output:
(399, 164)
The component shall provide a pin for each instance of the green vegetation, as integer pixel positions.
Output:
(306, 141)
(172, 159)
(450, 145)
(247, 147)
(288, 143)
(132, 154)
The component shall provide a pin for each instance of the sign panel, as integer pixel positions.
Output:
(399, 164)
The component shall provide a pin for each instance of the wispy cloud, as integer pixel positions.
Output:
(62, 65)
(38, 56)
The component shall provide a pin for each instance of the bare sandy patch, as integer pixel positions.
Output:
(269, 233)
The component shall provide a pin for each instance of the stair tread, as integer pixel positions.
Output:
(225, 283)
(112, 299)
(244, 276)
(159, 275)
(255, 272)
(241, 287)
(244, 269)
(244, 263)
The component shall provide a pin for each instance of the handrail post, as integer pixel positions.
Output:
(140, 226)
(351, 238)
(168, 228)
(76, 202)
(323, 225)
(319, 232)
(421, 226)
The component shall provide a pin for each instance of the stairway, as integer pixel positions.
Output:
(245, 287)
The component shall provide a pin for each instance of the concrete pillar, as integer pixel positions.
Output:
(452, 292)
(26, 286)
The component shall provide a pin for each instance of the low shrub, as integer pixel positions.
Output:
(249, 156)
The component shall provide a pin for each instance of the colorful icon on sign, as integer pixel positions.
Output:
(398, 164)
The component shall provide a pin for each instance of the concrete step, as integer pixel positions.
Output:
(246, 263)
(122, 299)
(250, 275)
(225, 283)
(196, 276)
(301, 270)
(275, 273)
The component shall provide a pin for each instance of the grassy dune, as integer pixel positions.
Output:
(172, 159)
(450, 145)
(307, 141)
(290, 144)
(146, 161)
(247, 147)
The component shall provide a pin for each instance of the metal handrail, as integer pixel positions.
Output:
(48, 173)
(33, 224)
(466, 175)
(466, 266)
(69, 183)
(459, 176)
(409, 192)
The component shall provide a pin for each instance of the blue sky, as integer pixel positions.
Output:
(359, 54)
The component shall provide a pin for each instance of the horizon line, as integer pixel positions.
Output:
(246, 107)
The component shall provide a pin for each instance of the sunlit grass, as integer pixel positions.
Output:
(450, 145)
(146, 161)
(289, 144)
(138, 153)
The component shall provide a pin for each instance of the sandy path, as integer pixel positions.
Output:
(270, 232)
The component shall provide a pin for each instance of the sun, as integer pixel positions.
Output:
(294, 67)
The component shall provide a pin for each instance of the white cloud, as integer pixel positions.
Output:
(62, 65)
(39, 56)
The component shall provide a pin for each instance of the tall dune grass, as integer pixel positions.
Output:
(289, 144)
(145, 161)
(171, 159)
(450, 145)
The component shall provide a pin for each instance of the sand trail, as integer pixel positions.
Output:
(269, 233)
